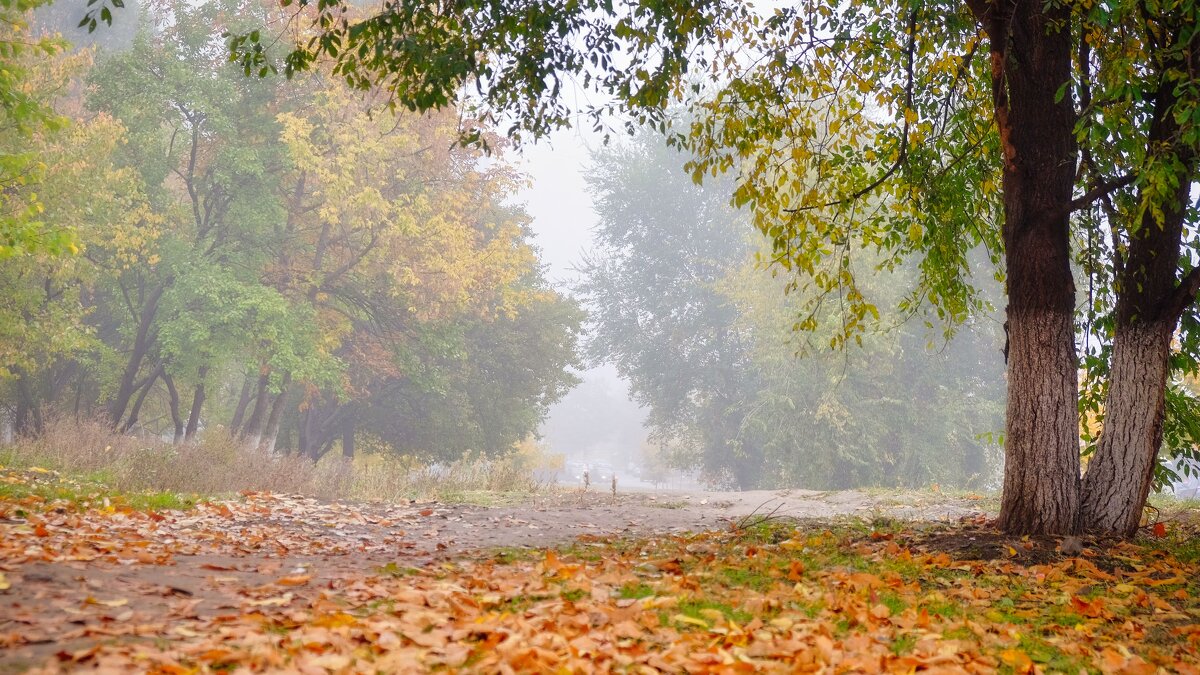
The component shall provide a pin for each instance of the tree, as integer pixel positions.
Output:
(706, 341)
(984, 123)
(186, 231)
(663, 245)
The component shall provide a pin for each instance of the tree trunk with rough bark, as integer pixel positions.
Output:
(254, 426)
(239, 413)
(27, 419)
(348, 437)
(176, 414)
(1031, 48)
(142, 392)
(1120, 474)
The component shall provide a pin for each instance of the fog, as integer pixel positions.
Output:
(289, 265)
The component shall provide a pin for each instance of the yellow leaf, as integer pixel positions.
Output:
(4, 583)
(689, 620)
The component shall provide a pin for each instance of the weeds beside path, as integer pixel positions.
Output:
(277, 582)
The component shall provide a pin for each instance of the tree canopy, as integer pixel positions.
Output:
(269, 257)
(1047, 134)
(708, 345)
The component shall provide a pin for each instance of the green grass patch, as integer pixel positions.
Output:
(695, 609)
(53, 488)
(635, 591)
(574, 595)
(747, 578)
(903, 644)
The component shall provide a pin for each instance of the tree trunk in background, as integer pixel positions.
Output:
(27, 419)
(239, 413)
(141, 347)
(348, 437)
(176, 415)
(144, 391)
(276, 416)
(253, 429)
(1031, 58)
(193, 422)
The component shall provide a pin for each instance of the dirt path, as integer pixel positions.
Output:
(79, 580)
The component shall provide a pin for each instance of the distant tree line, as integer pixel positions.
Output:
(187, 249)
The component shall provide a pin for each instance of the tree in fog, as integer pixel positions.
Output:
(707, 342)
(662, 246)
(273, 257)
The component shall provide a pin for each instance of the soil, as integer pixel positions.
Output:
(79, 580)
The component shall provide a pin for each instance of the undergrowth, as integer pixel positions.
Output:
(218, 465)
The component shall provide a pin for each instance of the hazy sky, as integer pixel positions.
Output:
(558, 201)
(563, 219)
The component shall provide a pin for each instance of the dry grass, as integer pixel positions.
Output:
(217, 464)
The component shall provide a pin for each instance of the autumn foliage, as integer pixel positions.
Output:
(269, 582)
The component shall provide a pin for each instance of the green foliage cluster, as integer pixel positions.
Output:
(273, 257)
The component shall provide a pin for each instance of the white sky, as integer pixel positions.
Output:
(563, 219)
(558, 201)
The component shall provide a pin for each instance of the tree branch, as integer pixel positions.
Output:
(1185, 293)
(1100, 191)
(909, 55)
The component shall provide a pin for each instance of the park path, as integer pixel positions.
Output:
(70, 581)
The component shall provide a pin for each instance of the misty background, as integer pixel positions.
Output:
(697, 364)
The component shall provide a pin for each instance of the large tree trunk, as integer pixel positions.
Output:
(254, 426)
(1031, 58)
(348, 437)
(143, 392)
(1149, 303)
(28, 419)
(176, 414)
(1119, 477)
(239, 413)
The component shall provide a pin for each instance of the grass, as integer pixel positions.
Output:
(863, 581)
(635, 591)
(37, 484)
(154, 473)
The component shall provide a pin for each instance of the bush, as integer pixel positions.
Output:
(218, 464)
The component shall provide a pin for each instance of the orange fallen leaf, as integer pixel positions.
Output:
(1018, 660)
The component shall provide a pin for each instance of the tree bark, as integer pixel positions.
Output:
(348, 437)
(143, 391)
(28, 419)
(193, 422)
(1031, 58)
(1120, 474)
(239, 413)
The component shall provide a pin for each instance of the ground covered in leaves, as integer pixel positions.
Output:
(283, 583)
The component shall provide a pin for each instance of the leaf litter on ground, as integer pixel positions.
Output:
(274, 587)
